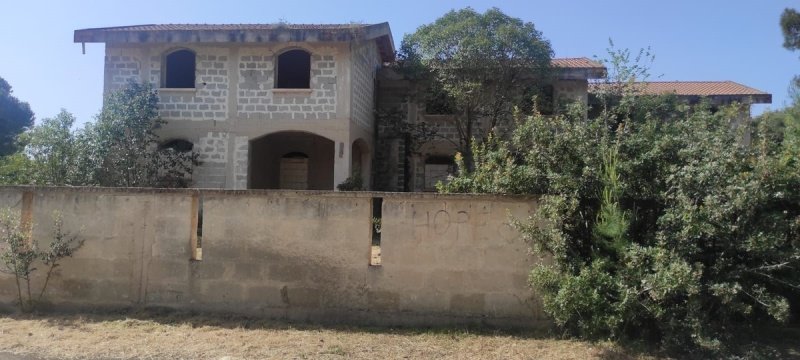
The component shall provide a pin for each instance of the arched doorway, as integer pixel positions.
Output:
(360, 162)
(291, 160)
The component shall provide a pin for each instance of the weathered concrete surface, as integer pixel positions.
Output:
(290, 255)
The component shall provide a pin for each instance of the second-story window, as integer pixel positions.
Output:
(293, 70)
(179, 69)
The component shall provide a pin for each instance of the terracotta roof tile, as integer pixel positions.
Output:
(698, 88)
(713, 89)
(577, 63)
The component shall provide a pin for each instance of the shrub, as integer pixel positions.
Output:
(665, 226)
(19, 252)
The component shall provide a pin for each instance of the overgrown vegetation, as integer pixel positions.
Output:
(664, 224)
(19, 252)
(477, 67)
(121, 148)
(352, 183)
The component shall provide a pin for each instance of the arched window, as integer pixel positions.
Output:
(294, 171)
(178, 145)
(293, 70)
(179, 69)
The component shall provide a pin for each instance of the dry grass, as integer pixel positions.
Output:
(193, 337)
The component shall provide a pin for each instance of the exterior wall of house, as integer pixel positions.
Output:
(235, 100)
(366, 62)
(571, 91)
(446, 259)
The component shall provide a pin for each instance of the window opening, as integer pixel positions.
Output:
(294, 70)
(197, 228)
(438, 168)
(179, 71)
(377, 218)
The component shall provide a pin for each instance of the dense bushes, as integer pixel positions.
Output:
(121, 148)
(663, 222)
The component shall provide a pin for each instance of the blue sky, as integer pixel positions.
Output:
(735, 40)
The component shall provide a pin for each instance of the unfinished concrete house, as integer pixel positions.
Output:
(265, 106)
(289, 106)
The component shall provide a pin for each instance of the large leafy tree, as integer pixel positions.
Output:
(15, 117)
(120, 149)
(478, 66)
(790, 25)
(124, 147)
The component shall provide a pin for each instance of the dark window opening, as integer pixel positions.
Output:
(377, 217)
(179, 145)
(544, 96)
(179, 70)
(294, 70)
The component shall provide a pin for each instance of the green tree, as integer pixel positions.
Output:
(53, 152)
(662, 225)
(121, 149)
(478, 66)
(15, 117)
(790, 25)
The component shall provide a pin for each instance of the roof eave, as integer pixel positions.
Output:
(565, 73)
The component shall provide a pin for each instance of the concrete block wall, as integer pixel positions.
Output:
(258, 101)
(289, 255)
(365, 63)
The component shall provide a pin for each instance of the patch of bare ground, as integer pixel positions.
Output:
(173, 336)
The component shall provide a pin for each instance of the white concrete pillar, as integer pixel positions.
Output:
(341, 162)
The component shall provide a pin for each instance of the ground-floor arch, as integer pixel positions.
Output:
(291, 160)
(361, 161)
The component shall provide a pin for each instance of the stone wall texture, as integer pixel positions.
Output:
(258, 100)
(291, 255)
(365, 64)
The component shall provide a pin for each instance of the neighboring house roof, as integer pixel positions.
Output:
(579, 68)
(723, 90)
(243, 33)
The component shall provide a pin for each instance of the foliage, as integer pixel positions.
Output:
(120, 149)
(664, 224)
(352, 183)
(478, 66)
(19, 252)
(790, 26)
(15, 117)
(53, 150)
(125, 143)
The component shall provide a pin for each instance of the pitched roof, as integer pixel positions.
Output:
(577, 63)
(242, 33)
(712, 89)
(579, 68)
(698, 88)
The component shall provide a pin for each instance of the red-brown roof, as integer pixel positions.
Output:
(698, 88)
(577, 63)
(712, 89)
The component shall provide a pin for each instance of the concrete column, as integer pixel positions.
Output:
(341, 162)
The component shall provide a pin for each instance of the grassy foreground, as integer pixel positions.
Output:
(148, 336)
